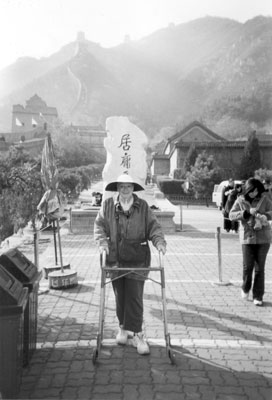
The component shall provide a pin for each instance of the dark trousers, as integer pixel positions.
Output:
(254, 257)
(129, 303)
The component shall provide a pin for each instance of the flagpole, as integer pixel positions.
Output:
(60, 251)
(55, 243)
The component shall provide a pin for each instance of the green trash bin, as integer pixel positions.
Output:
(13, 303)
(15, 262)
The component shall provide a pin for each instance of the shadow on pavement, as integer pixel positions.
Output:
(120, 373)
(191, 231)
(203, 316)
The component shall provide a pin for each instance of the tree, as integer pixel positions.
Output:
(73, 180)
(180, 173)
(263, 174)
(231, 128)
(21, 187)
(203, 175)
(21, 191)
(251, 159)
(70, 182)
(190, 158)
(71, 151)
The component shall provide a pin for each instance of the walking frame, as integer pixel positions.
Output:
(126, 271)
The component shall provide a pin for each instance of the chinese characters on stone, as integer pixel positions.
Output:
(126, 158)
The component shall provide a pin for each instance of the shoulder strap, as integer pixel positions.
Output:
(260, 202)
(146, 221)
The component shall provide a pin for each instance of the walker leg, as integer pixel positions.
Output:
(164, 309)
(95, 355)
(99, 339)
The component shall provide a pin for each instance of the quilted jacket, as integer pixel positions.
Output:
(249, 235)
(139, 223)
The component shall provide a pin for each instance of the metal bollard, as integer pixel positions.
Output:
(36, 248)
(219, 253)
(180, 216)
(218, 237)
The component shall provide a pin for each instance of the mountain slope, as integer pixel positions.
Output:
(211, 68)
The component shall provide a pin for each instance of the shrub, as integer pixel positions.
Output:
(21, 192)
(171, 186)
(178, 173)
(203, 175)
(251, 159)
(263, 174)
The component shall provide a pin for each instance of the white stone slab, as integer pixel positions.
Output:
(126, 151)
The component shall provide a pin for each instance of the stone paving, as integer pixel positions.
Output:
(222, 345)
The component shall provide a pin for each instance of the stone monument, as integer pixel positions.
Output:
(126, 151)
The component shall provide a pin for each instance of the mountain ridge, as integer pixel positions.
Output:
(213, 69)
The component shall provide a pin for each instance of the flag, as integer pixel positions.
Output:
(18, 122)
(34, 123)
(53, 202)
(49, 171)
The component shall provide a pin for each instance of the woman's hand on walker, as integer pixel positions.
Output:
(103, 248)
(161, 247)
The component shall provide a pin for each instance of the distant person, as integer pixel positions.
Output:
(225, 193)
(268, 187)
(96, 199)
(253, 209)
(148, 179)
(237, 191)
(123, 226)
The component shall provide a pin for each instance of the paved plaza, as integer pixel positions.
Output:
(222, 345)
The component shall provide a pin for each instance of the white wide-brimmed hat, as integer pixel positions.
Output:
(124, 178)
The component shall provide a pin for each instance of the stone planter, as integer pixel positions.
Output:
(82, 221)
(166, 219)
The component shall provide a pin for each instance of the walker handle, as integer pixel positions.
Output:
(103, 258)
(161, 259)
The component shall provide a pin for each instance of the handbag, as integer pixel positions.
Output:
(133, 251)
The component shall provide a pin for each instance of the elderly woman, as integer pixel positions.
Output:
(123, 227)
(253, 209)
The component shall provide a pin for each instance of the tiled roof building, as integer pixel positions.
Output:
(227, 153)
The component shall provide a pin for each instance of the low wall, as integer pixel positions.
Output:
(82, 221)
(166, 219)
(189, 200)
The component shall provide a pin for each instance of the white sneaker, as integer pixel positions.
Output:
(244, 295)
(140, 343)
(258, 302)
(122, 336)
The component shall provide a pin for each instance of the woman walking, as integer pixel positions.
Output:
(123, 227)
(253, 209)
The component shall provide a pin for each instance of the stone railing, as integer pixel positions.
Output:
(189, 200)
(82, 220)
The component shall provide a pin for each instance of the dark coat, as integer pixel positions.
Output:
(139, 224)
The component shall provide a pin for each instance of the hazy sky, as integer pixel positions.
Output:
(39, 28)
